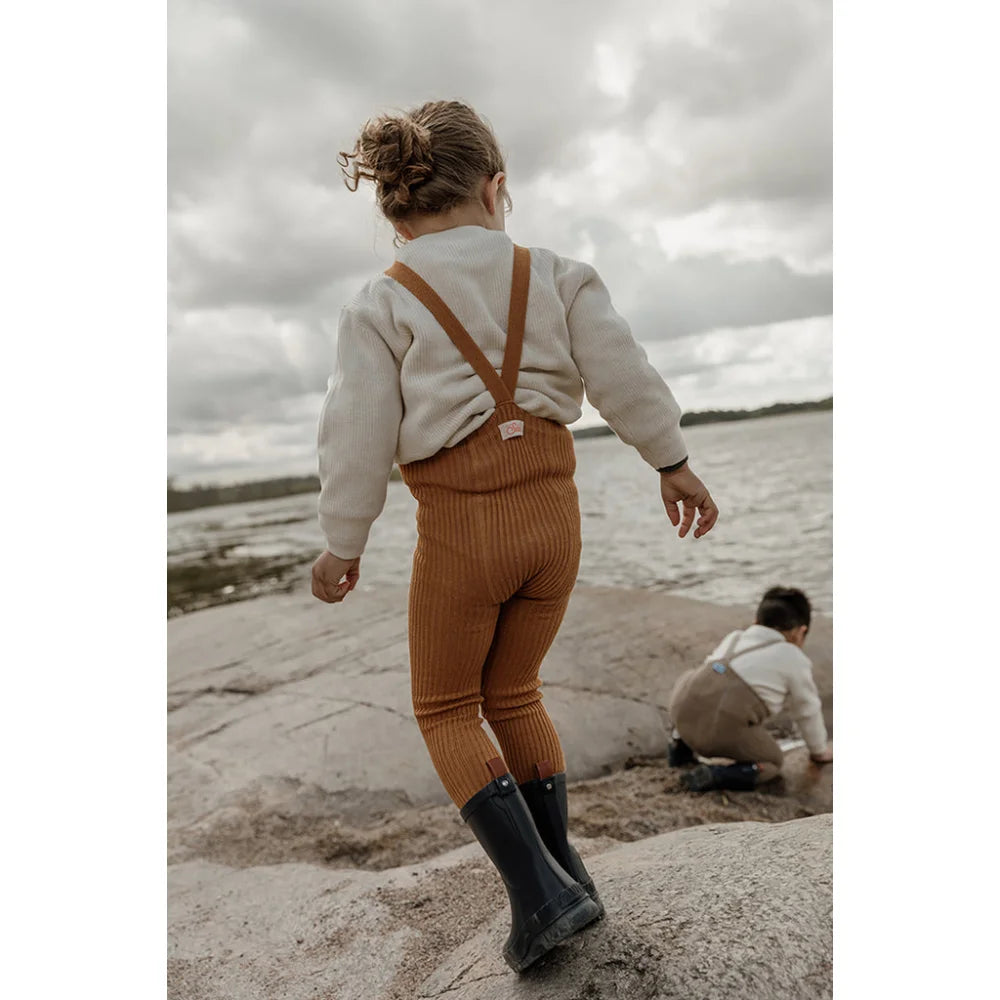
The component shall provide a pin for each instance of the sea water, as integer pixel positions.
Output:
(771, 477)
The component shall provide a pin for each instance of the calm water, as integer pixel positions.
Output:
(771, 479)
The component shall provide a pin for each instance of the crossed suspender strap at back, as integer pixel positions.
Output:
(729, 655)
(501, 386)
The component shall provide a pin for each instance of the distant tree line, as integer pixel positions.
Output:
(212, 496)
(268, 489)
(721, 416)
(718, 416)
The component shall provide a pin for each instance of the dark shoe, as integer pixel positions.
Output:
(700, 779)
(735, 777)
(546, 904)
(679, 754)
(546, 798)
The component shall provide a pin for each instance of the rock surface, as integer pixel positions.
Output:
(315, 855)
(283, 696)
(721, 911)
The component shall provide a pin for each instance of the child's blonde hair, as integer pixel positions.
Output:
(426, 161)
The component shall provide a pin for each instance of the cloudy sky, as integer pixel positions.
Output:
(682, 147)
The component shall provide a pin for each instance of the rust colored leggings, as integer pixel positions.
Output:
(496, 560)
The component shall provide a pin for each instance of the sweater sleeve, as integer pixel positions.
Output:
(618, 379)
(358, 435)
(805, 707)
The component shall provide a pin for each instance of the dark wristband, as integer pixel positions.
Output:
(674, 468)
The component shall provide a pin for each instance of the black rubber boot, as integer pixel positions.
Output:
(735, 777)
(546, 798)
(546, 904)
(679, 753)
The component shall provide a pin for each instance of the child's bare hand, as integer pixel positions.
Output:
(684, 487)
(334, 578)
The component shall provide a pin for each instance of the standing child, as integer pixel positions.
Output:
(464, 362)
(719, 709)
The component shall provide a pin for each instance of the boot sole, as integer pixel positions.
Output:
(578, 916)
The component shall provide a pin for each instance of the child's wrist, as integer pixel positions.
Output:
(676, 467)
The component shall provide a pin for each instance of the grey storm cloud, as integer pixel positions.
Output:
(269, 244)
(707, 107)
(752, 293)
(756, 52)
(237, 368)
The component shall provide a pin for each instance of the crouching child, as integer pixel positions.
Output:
(719, 708)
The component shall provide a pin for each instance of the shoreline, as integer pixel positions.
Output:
(274, 579)
(225, 554)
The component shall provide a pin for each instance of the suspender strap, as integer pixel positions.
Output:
(729, 653)
(501, 388)
(753, 649)
(515, 317)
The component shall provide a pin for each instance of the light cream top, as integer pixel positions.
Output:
(401, 390)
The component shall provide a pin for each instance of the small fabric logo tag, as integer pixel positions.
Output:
(719, 668)
(511, 429)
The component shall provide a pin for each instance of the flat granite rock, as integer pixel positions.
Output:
(282, 697)
(706, 913)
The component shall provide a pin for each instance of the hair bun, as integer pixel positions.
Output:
(398, 154)
(394, 151)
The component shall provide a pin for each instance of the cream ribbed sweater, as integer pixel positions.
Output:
(401, 390)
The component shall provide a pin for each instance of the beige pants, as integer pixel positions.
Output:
(718, 714)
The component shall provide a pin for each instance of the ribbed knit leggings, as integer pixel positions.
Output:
(498, 550)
